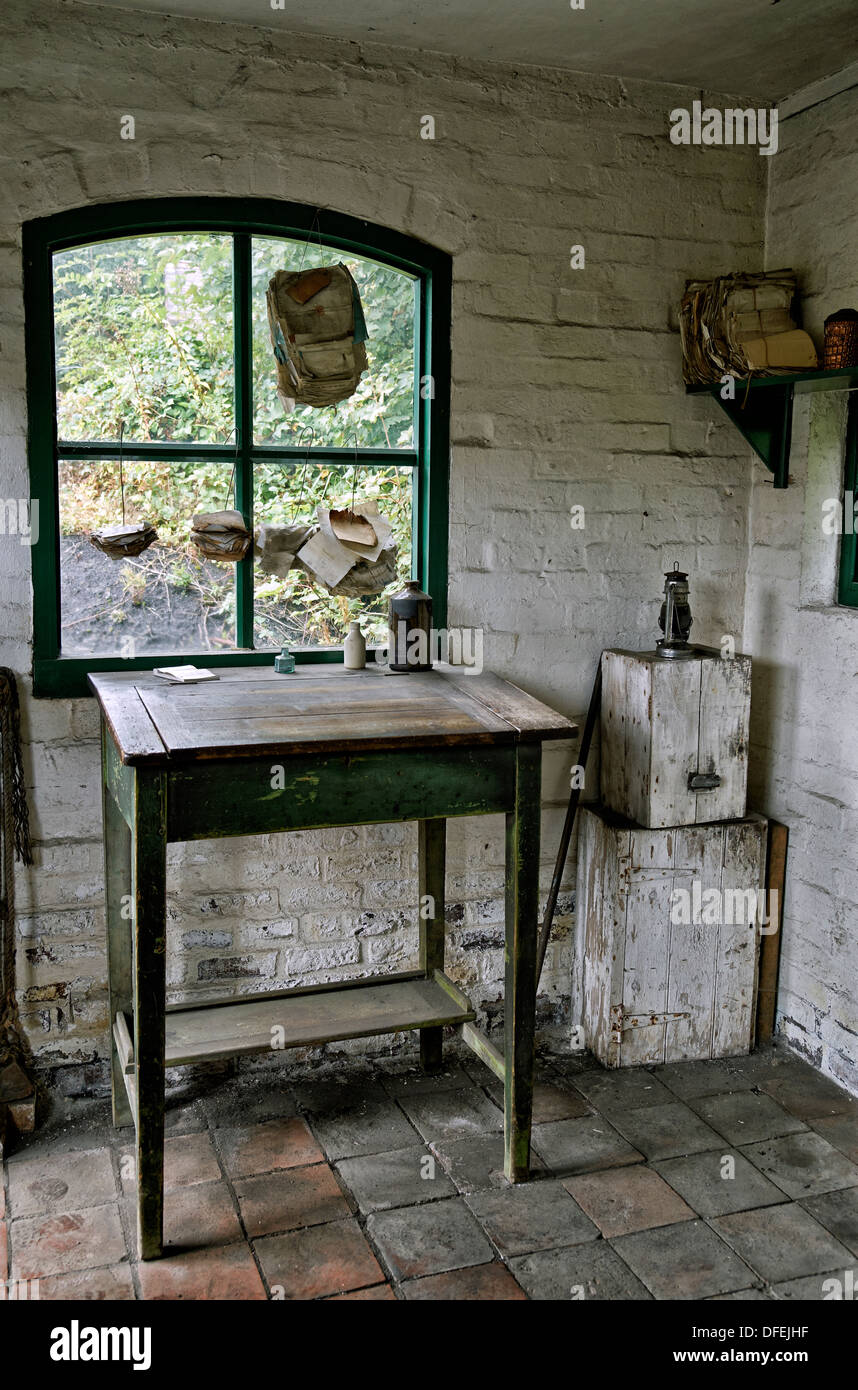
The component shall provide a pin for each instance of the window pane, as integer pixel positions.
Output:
(381, 412)
(296, 610)
(167, 599)
(143, 334)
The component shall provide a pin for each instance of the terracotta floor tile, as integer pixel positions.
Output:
(429, 1239)
(49, 1184)
(188, 1158)
(4, 1253)
(531, 1216)
(781, 1243)
(290, 1198)
(200, 1215)
(588, 1271)
(43, 1245)
(317, 1261)
(227, 1273)
(113, 1282)
(262, 1148)
(684, 1261)
(483, 1283)
(627, 1199)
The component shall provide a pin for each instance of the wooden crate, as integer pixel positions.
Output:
(654, 989)
(665, 723)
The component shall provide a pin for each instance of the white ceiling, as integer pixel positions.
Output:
(765, 47)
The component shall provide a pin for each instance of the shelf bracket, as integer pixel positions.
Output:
(765, 419)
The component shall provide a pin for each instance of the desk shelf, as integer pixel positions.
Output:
(308, 1018)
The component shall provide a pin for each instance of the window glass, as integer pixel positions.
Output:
(380, 415)
(167, 599)
(291, 608)
(143, 339)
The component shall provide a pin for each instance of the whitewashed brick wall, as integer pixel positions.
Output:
(567, 391)
(804, 730)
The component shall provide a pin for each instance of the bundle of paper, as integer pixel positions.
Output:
(352, 551)
(741, 324)
(221, 535)
(121, 541)
(277, 546)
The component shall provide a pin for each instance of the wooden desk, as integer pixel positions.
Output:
(260, 753)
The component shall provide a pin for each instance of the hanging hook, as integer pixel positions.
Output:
(304, 469)
(314, 225)
(354, 468)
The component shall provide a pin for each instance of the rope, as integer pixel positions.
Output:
(15, 838)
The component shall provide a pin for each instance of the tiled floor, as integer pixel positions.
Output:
(722, 1180)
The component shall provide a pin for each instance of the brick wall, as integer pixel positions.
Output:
(804, 734)
(567, 392)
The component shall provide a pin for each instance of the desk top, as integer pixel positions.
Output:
(254, 711)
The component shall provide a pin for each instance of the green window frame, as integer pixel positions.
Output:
(847, 591)
(56, 675)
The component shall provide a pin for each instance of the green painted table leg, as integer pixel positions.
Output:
(117, 904)
(149, 864)
(522, 907)
(432, 857)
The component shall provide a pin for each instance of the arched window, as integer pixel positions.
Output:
(151, 388)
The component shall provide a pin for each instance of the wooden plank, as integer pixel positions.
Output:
(395, 977)
(306, 1020)
(484, 1049)
(522, 934)
(673, 744)
(738, 947)
(124, 1045)
(691, 960)
(725, 711)
(647, 943)
(432, 859)
(612, 750)
(149, 878)
(117, 907)
(529, 716)
(258, 797)
(130, 726)
(601, 900)
(770, 943)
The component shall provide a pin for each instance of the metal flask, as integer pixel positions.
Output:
(409, 621)
(675, 617)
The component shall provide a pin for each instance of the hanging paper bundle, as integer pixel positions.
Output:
(221, 535)
(120, 542)
(318, 330)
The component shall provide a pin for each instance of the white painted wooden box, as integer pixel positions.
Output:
(669, 728)
(669, 931)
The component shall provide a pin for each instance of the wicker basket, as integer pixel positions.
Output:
(841, 340)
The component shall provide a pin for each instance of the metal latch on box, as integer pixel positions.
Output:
(703, 781)
(621, 1022)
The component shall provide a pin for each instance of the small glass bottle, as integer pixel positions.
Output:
(354, 649)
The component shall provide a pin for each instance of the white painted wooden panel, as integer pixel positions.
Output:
(662, 722)
(657, 987)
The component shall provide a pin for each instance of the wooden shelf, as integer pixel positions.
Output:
(310, 1017)
(762, 410)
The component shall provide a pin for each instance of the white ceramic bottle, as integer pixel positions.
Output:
(354, 649)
